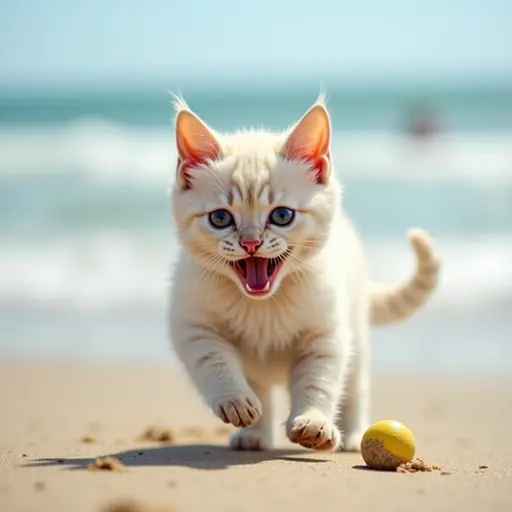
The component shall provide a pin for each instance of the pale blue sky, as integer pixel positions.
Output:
(60, 41)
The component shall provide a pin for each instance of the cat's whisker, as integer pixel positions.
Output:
(296, 269)
(296, 257)
(306, 245)
(197, 244)
(300, 270)
(199, 277)
(206, 270)
(303, 263)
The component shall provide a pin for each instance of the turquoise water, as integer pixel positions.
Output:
(462, 108)
(86, 238)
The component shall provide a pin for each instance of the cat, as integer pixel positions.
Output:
(271, 287)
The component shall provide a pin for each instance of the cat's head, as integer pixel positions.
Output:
(254, 206)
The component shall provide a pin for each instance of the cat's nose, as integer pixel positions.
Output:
(250, 246)
(251, 239)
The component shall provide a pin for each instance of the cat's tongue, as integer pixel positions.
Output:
(256, 278)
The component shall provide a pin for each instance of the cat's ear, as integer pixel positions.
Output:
(310, 140)
(195, 143)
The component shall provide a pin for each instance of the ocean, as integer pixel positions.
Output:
(87, 242)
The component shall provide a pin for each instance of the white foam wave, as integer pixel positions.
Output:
(112, 271)
(475, 272)
(105, 151)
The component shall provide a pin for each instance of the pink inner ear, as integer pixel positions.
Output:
(320, 166)
(196, 145)
(187, 164)
(318, 158)
(310, 141)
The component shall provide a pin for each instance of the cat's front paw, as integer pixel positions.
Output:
(248, 439)
(314, 430)
(241, 410)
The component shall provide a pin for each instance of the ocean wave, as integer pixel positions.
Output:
(104, 150)
(111, 271)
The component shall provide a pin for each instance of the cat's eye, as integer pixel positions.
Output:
(221, 218)
(281, 216)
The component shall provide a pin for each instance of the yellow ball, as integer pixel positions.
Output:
(387, 444)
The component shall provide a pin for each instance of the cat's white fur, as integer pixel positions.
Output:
(310, 333)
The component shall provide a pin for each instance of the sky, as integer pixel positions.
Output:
(51, 42)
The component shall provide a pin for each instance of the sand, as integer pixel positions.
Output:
(57, 419)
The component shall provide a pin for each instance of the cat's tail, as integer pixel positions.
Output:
(393, 303)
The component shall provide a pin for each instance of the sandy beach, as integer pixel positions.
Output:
(56, 419)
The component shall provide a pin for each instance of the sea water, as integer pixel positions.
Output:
(87, 242)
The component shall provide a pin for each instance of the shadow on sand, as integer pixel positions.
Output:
(197, 456)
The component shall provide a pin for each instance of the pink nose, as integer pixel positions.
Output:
(251, 246)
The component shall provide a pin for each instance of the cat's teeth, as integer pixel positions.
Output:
(250, 290)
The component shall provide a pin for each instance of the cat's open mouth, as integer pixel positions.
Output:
(257, 274)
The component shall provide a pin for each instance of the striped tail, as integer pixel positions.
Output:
(394, 303)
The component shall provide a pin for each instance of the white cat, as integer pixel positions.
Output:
(271, 287)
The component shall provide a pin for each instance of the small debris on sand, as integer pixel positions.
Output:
(463, 442)
(483, 466)
(158, 433)
(133, 506)
(39, 486)
(223, 431)
(196, 432)
(417, 466)
(88, 440)
(107, 464)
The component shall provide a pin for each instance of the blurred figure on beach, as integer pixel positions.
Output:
(423, 122)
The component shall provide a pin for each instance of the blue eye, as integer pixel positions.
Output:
(220, 218)
(282, 216)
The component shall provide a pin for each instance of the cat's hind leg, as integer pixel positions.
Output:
(260, 435)
(354, 416)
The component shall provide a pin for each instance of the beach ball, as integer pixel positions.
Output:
(387, 444)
